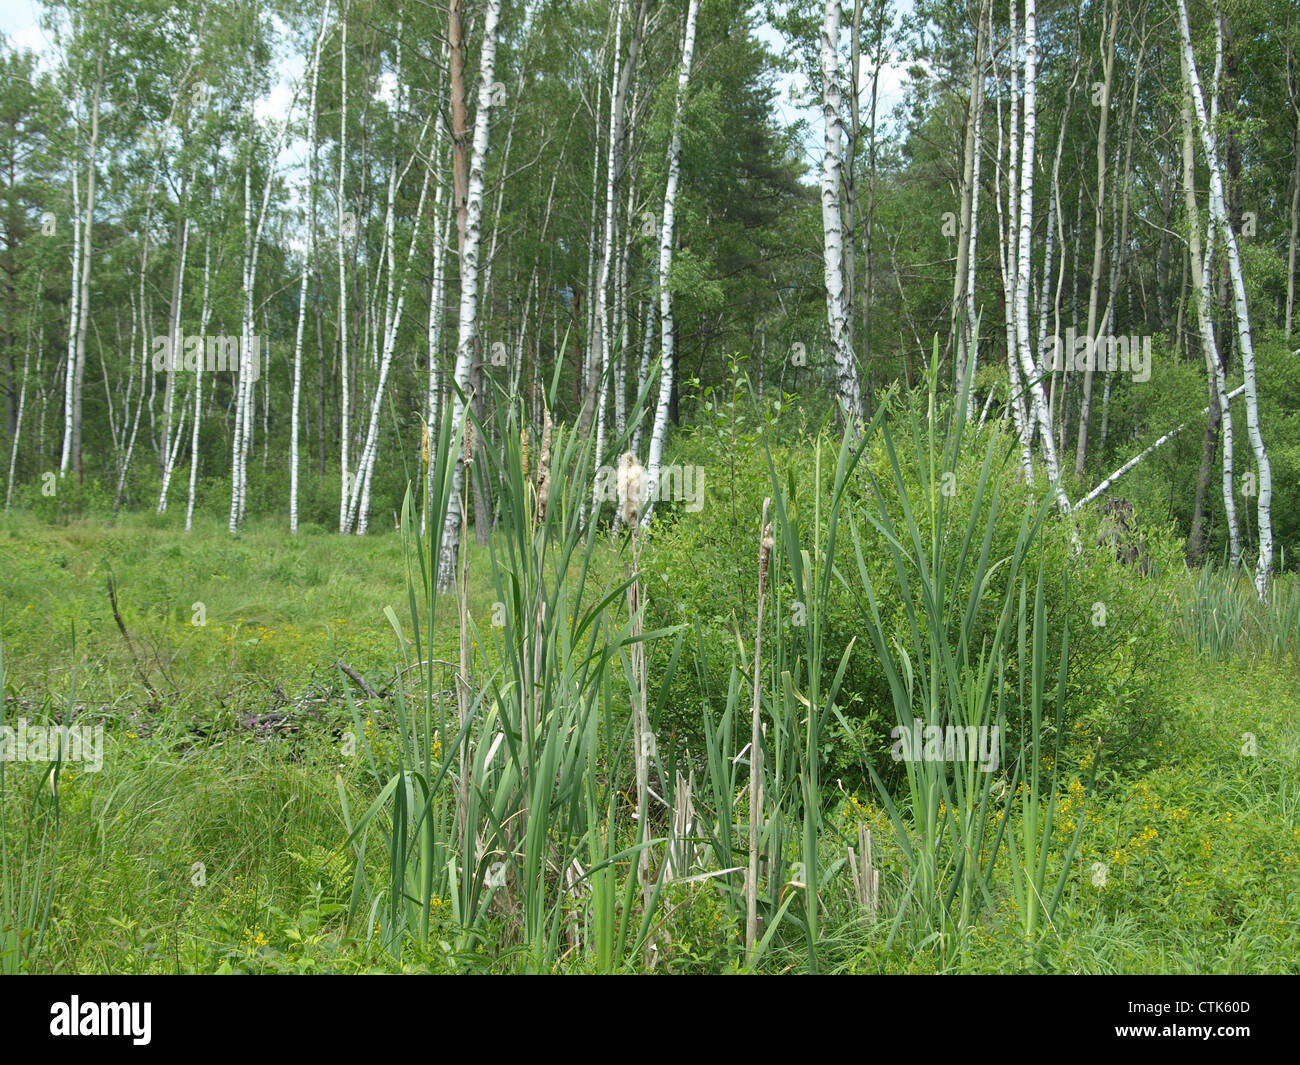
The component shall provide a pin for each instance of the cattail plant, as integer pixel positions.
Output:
(755, 737)
(681, 846)
(516, 820)
(945, 667)
(633, 492)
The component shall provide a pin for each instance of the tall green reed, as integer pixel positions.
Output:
(505, 802)
(1221, 616)
(946, 670)
(29, 857)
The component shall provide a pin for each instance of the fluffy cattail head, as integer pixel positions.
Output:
(544, 468)
(424, 442)
(523, 449)
(633, 488)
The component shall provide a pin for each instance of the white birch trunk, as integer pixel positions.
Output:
(1201, 282)
(667, 233)
(22, 403)
(433, 414)
(970, 343)
(241, 385)
(1007, 231)
(847, 387)
(73, 305)
(198, 382)
(83, 297)
(1245, 343)
(601, 331)
(345, 398)
(1033, 375)
(169, 452)
(467, 331)
(367, 465)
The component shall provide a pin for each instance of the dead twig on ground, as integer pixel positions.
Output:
(135, 658)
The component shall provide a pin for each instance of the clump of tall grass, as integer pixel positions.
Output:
(505, 803)
(953, 816)
(957, 824)
(29, 858)
(1221, 616)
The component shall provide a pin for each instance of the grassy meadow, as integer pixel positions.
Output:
(314, 761)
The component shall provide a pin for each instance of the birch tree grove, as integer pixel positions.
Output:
(651, 469)
(392, 216)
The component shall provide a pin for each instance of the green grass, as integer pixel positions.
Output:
(206, 845)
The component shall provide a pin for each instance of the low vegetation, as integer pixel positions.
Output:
(315, 760)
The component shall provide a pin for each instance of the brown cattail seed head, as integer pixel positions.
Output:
(424, 442)
(469, 441)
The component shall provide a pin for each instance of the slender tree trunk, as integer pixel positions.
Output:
(345, 401)
(198, 381)
(1098, 238)
(83, 297)
(963, 281)
(308, 256)
(847, 386)
(1295, 233)
(1033, 375)
(1008, 231)
(1245, 343)
(667, 234)
(74, 303)
(168, 453)
(22, 404)
(470, 227)
(174, 328)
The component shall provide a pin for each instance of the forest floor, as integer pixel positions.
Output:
(212, 836)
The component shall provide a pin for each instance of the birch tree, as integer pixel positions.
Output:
(1218, 209)
(81, 289)
(847, 386)
(1033, 375)
(204, 311)
(471, 233)
(667, 233)
(308, 256)
(1098, 236)
(1220, 410)
(963, 281)
(345, 401)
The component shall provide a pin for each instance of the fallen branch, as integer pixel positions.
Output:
(1105, 485)
(359, 679)
(135, 658)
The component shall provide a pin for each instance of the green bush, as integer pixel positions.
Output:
(703, 566)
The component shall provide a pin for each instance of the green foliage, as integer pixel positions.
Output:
(703, 567)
